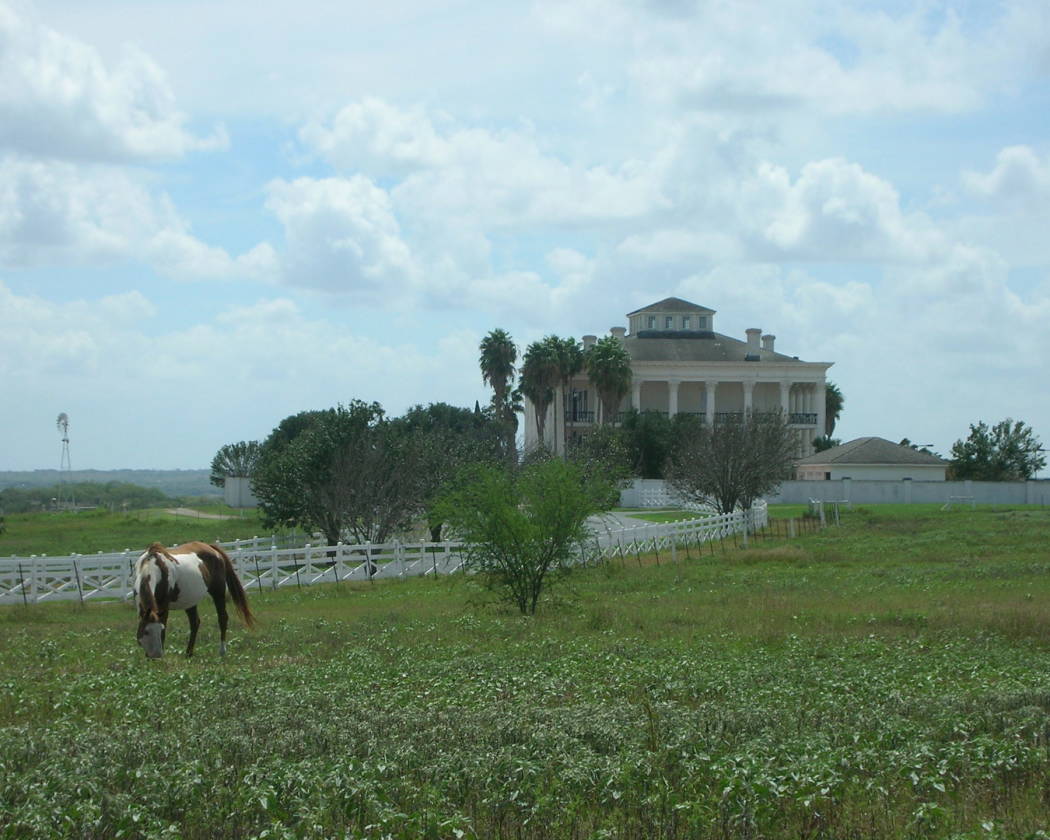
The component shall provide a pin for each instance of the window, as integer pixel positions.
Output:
(668, 322)
(701, 322)
(687, 322)
(652, 322)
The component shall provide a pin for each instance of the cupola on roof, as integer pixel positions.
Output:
(672, 304)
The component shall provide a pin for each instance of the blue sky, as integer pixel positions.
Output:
(216, 215)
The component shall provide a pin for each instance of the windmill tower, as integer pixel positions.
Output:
(65, 469)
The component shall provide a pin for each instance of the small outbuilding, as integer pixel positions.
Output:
(871, 458)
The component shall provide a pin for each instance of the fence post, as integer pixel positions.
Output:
(80, 589)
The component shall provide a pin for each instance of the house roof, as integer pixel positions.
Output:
(672, 304)
(678, 346)
(874, 450)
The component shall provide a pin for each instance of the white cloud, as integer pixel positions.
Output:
(842, 58)
(120, 367)
(1020, 180)
(834, 210)
(342, 236)
(494, 178)
(58, 99)
(55, 213)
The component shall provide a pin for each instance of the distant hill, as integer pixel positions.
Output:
(171, 482)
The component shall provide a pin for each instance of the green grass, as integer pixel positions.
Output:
(88, 532)
(889, 678)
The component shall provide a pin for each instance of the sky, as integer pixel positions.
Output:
(217, 215)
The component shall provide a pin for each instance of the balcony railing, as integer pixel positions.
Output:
(578, 416)
(795, 418)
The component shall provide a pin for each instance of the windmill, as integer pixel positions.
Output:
(65, 467)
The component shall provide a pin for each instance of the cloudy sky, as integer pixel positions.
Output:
(214, 215)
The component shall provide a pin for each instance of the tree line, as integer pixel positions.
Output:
(115, 495)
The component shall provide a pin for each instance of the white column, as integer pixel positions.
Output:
(749, 390)
(672, 397)
(821, 406)
(636, 395)
(785, 400)
(710, 387)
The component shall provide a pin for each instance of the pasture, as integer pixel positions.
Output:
(888, 678)
(91, 531)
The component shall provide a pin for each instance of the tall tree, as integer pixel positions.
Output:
(609, 368)
(1007, 451)
(449, 439)
(569, 356)
(539, 376)
(833, 405)
(731, 465)
(234, 459)
(497, 361)
(344, 471)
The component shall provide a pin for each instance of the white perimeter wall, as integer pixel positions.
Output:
(652, 492)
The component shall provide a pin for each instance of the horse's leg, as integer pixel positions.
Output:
(195, 623)
(224, 619)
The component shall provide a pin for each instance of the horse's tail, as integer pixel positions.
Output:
(237, 593)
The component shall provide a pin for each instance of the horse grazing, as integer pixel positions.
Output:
(177, 579)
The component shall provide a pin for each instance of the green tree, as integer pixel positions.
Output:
(825, 442)
(345, 471)
(497, 359)
(917, 447)
(539, 376)
(449, 439)
(234, 459)
(833, 405)
(523, 528)
(733, 464)
(570, 362)
(1007, 451)
(609, 370)
(603, 454)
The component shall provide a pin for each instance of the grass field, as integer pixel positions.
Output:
(91, 531)
(889, 678)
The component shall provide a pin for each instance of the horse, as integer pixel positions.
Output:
(177, 579)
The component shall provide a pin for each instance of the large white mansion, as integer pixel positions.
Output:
(680, 364)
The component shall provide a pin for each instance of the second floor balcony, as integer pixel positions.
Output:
(795, 418)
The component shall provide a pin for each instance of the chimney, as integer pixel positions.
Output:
(618, 332)
(767, 342)
(752, 339)
(588, 341)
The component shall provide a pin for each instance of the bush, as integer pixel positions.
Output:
(523, 530)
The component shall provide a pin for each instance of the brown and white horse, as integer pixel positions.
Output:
(177, 579)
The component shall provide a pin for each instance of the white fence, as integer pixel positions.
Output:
(262, 565)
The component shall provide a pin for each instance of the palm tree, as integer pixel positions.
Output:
(609, 368)
(833, 403)
(498, 355)
(539, 375)
(569, 358)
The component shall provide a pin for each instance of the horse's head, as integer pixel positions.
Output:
(151, 637)
(151, 590)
